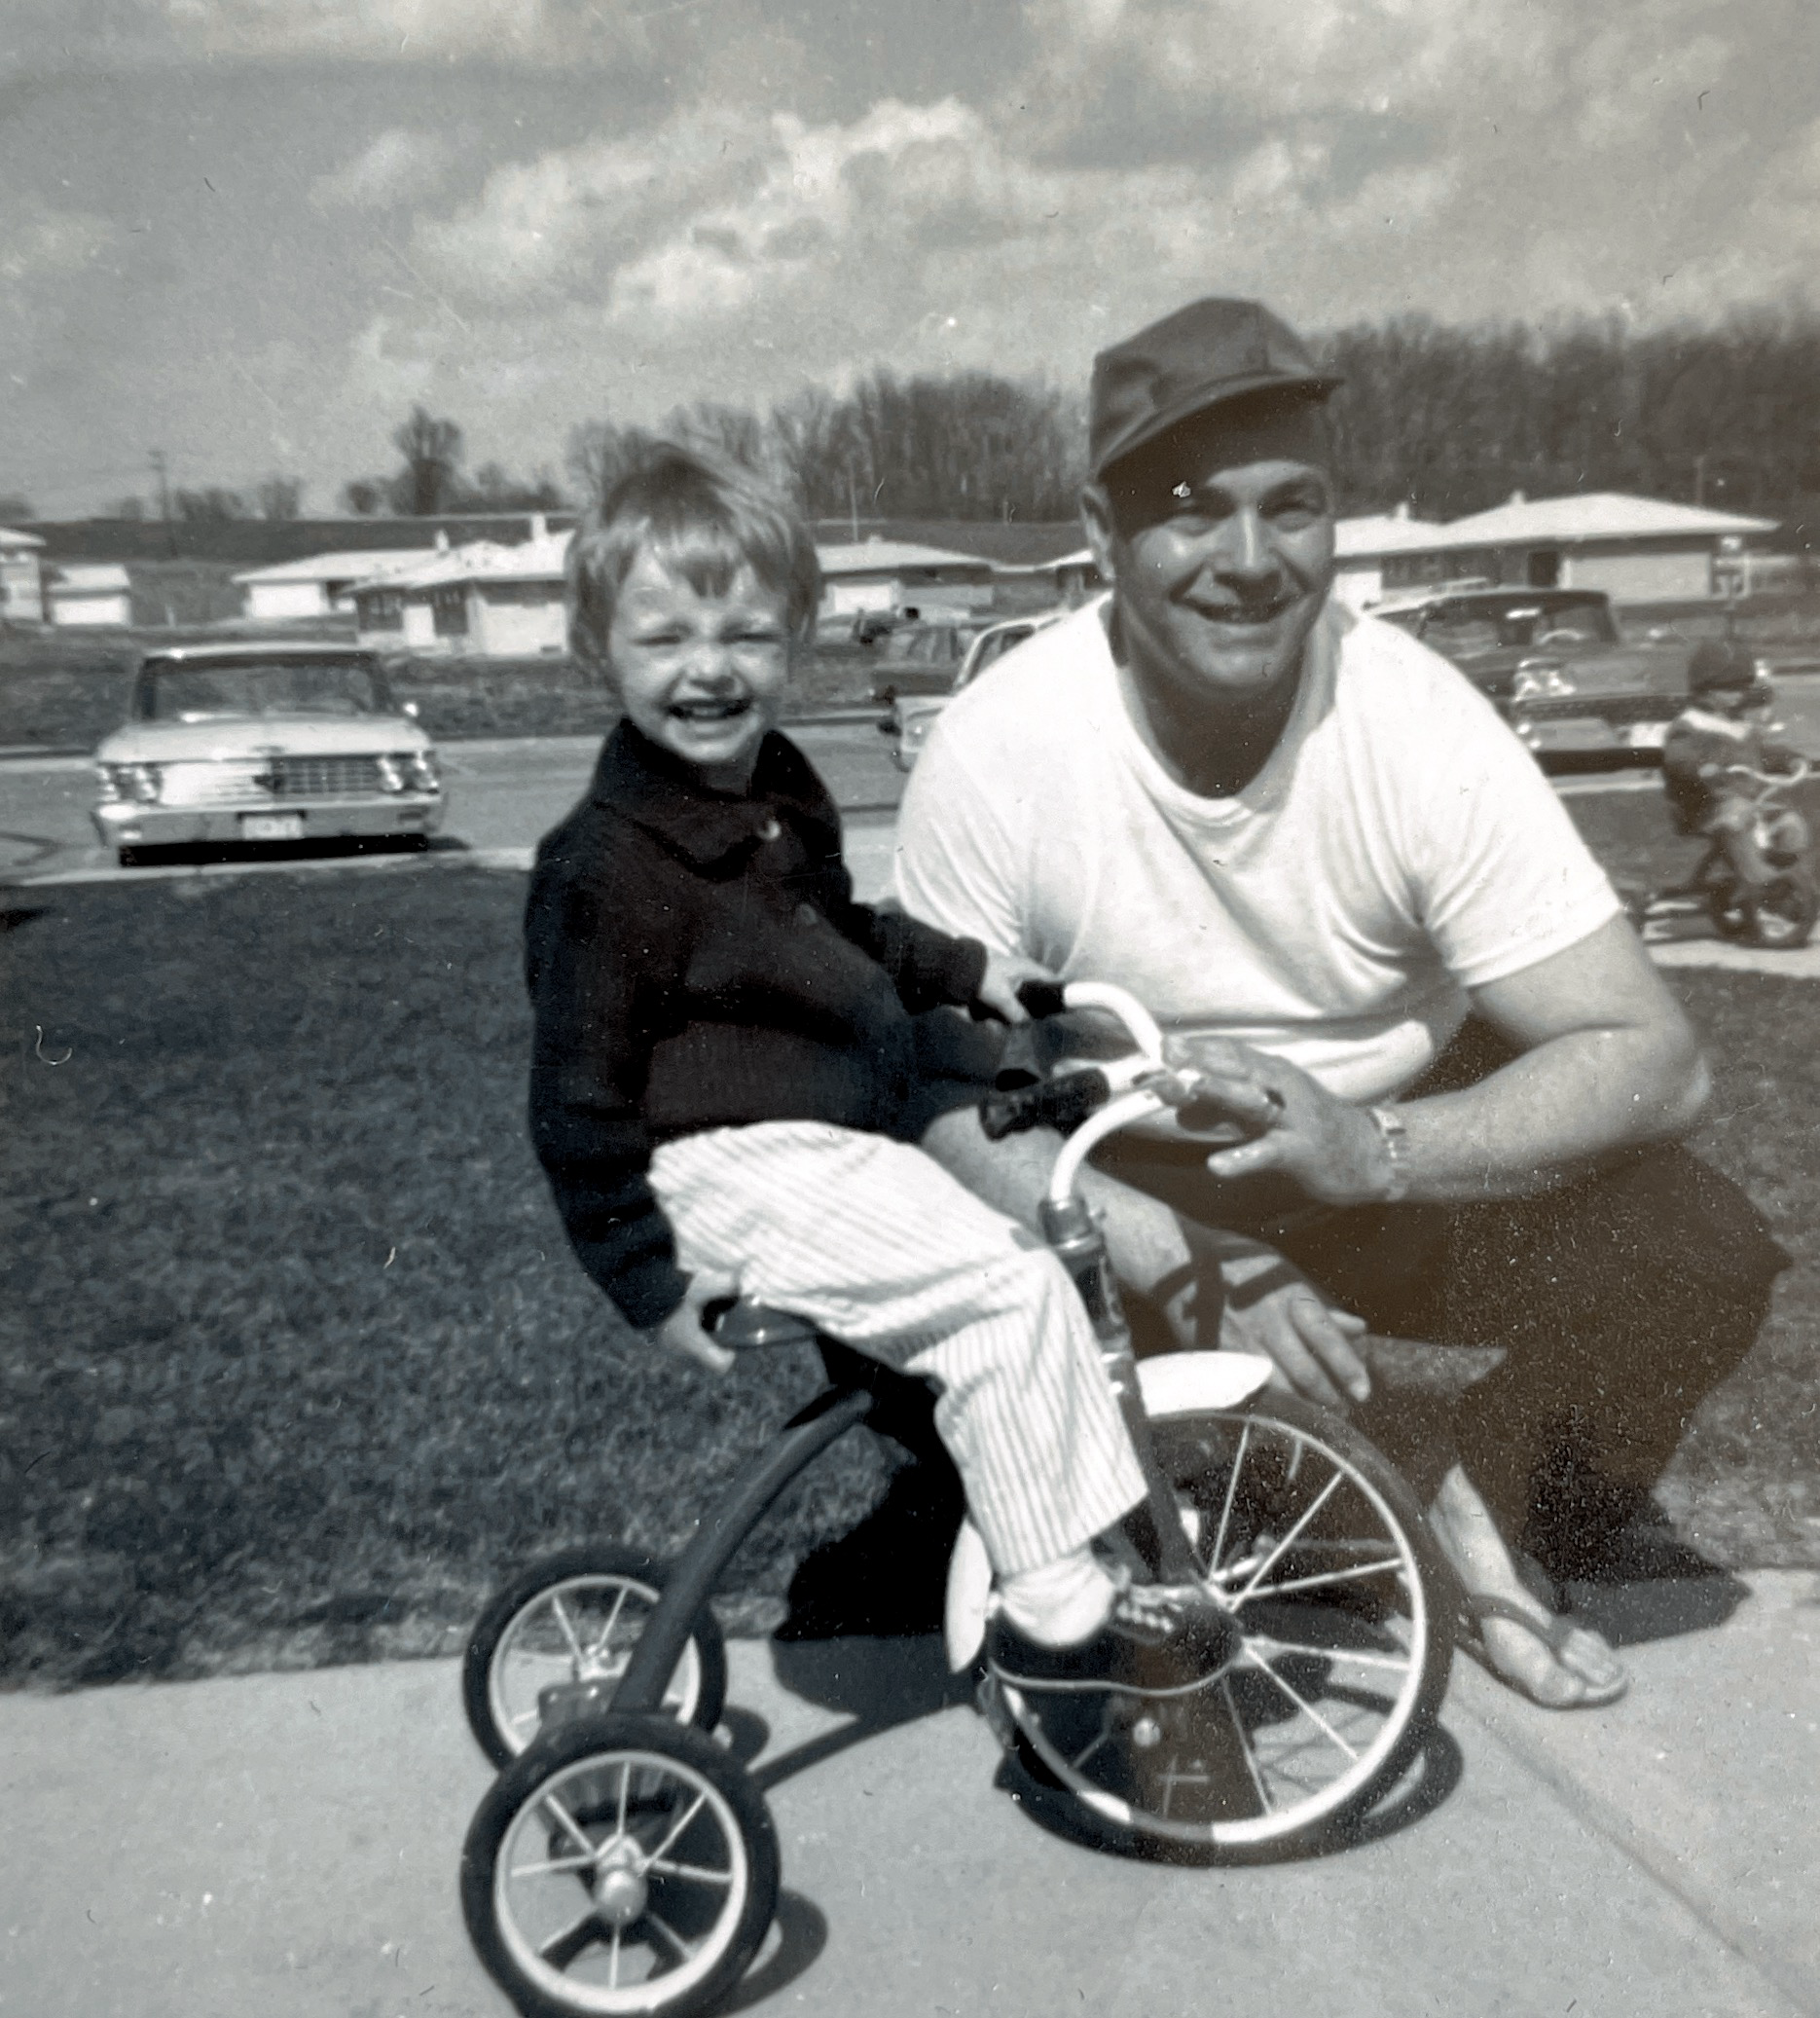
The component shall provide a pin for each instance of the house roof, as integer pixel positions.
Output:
(8, 537)
(346, 566)
(96, 578)
(873, 555)
(1081, 557)
(481, 559)
(1590, 515)
(1382, 533)
(1018, 542)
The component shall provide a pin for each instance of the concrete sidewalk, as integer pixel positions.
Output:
(287, 1846)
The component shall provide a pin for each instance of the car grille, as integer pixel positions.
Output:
(1612, 708)
(265, 781)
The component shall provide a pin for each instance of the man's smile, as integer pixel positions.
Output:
(1243, 615)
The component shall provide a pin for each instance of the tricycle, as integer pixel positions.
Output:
(624, 1860)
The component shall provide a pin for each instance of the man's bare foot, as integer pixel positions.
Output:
(1522, 1638)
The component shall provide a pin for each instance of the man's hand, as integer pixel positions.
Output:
(1272, 1310)
(1334, 1150)
(683, 1331)
(1005, 974)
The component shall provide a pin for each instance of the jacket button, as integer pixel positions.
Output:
(807, 914)
(769, 830)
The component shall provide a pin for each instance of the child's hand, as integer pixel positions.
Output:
(1005, 974)
(683, 1331)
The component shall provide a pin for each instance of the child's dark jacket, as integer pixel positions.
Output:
(697, 961)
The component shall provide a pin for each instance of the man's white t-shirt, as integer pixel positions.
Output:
(1399, 847)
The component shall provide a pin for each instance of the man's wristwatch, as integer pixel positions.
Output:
(1394, 1136)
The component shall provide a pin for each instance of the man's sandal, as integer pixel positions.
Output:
(1553, 1629)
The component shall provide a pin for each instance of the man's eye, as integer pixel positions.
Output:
(1295, 513)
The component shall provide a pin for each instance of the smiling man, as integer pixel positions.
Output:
(1348, 893)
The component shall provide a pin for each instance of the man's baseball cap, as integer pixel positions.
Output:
(1202, 357)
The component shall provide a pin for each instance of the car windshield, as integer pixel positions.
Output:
(179, 691)
(994, 647)
(937, 646)
(1465, 630)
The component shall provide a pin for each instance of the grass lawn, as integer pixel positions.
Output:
(294, 1361)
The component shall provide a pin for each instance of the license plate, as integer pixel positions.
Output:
(272, 827)
(1647, 735)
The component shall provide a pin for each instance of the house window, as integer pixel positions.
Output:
(1542, 568)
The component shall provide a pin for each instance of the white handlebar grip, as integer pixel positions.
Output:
(1139, 1022)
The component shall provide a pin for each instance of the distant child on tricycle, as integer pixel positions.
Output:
(1725, 762)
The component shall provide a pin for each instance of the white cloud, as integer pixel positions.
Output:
(398, 167)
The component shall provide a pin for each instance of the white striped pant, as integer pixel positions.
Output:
(878, 1247)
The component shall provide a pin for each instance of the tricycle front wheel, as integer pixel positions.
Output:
(1320, 1549)
(1779, 916)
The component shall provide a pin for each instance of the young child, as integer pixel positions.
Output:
(732, 1061)
(1726, 725)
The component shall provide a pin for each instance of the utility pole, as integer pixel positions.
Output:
(161, 469)
(1700, 479)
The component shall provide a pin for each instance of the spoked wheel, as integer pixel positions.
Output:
(576, 1617)
(622, 1864)
(1320, 1549)
(1781, 915)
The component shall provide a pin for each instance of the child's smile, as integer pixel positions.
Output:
(701, 676)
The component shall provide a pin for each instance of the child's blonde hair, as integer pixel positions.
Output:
(702, 516)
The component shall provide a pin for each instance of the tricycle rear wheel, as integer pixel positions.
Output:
(620, 1867)
(574, 1616)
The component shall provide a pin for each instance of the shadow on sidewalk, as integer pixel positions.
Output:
(1648, 1584)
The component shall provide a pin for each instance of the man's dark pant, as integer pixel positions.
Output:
(1619, 1302)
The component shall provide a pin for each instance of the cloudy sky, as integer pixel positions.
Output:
(253, 232)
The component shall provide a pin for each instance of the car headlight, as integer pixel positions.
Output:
(424, 771)
(1536, 678)
(142, 784)
(392, 770)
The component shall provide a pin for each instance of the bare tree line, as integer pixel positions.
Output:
(1451, 419)
(1446, 418)
(972, 446)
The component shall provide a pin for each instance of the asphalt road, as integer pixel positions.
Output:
(502, 797)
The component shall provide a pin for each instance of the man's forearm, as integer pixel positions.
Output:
(1548, 1117)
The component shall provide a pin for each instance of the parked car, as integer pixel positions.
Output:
(279, 742)
(1556, 665)
(913, 714)
(920, 657)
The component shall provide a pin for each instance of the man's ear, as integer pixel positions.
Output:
(1096, 521)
